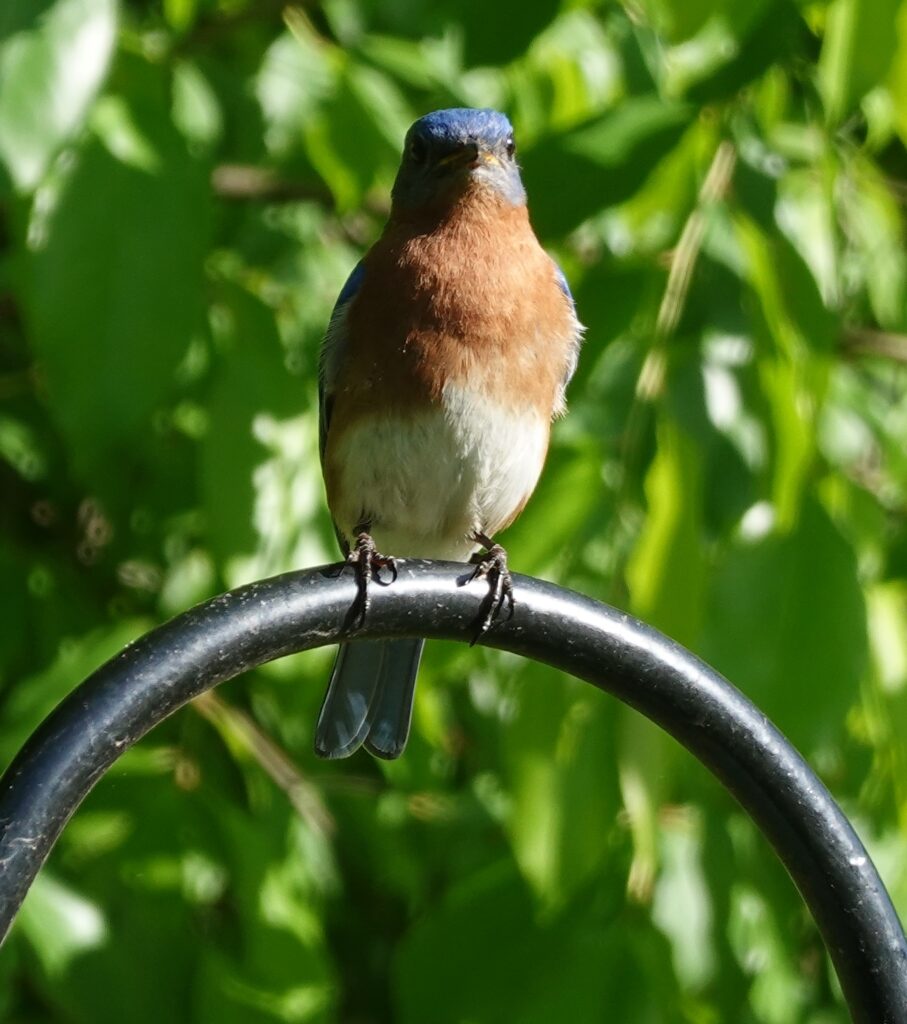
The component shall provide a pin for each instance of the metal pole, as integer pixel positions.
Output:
(236, 631)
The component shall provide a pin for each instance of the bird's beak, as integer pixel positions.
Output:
(466, 156)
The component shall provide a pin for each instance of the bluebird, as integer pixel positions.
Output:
(444, 363)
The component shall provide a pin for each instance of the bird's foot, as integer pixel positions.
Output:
(367, 562)
(492, 565)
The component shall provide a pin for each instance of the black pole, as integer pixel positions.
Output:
(257, 623)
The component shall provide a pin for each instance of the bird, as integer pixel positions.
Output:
(445, 360)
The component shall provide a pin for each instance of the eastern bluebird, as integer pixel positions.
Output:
(445, 360)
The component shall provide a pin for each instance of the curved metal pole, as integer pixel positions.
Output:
(236, 631)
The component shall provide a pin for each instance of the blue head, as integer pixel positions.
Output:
(447, 151)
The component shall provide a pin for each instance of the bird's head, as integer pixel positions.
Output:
(448, 151)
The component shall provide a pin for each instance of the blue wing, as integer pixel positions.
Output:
(370, 695)
(333, 350)
(573, 356)
(562, 282)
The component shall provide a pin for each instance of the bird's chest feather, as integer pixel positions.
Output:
(426, 480)
(473, 302)
(458, 344)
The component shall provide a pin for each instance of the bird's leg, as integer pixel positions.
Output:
(492, 565)
(367, 562)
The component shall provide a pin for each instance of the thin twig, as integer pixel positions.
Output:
(259, 184)
(272, 759)
(650, 383)
(252, 184)
(866, 341)
(680, 276)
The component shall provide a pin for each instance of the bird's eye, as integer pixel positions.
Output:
(510, 146)
(418, 150)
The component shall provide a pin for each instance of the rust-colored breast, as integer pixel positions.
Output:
(471, 299)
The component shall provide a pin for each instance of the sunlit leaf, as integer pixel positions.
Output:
(857, 51)
(296, 74)
(60, 924)
(114, 290)
(260, 448)
(559, 756)
(682, 906)
(51, 66)
(786, 622)
(666, 572)
(196, 111)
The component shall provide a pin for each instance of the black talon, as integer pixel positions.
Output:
(493, 567)
(367, 562)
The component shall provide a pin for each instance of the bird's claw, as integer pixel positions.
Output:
(367, 562)
(492, 565)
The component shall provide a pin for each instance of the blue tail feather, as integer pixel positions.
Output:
(391, 714)
(369, 699)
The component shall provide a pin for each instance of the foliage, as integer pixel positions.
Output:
(184, 188)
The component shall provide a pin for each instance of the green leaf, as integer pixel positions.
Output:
(794, 441)
(22, 449)
(571, 175)
(666, 572)
(786, 622)
(648, 765)
(180, 14)
(196, 111)
(406, 59)
(794, 375)
(805, 213)
(572, 71)
(857, 51)
(678, 20)
(779, 990)
(887, 603)
(34, 698)
(875, 225)
(51, 67)
(752, 38)
(539, 548)
(60, 924)
(489, 34)
(524, 969)
(559, 757)
(261, 448)
(788, 281)
(682, 905)
(356, 139)
(296, 76)
(497, 33)
(897, 78)
(114, 292)
(732, 46)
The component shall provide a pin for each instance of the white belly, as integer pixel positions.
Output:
(429, 482)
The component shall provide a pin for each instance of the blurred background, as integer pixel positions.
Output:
(183, 189)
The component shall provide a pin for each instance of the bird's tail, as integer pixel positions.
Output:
(369, 699)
